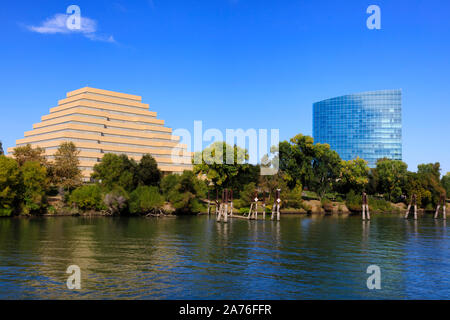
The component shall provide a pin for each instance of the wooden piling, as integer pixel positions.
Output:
(407, 211)
(264, 205)
(365, 207)
(217, 202)
(231, 202)
(225, 211)
(209, 205)
(442, 200)
(276, 205)
(273, 210)
(412, 203)
(256, 205)
(437, 211)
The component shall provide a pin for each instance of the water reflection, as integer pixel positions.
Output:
(195, 257)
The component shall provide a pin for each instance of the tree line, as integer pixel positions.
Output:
(306, 169)
(121, 185)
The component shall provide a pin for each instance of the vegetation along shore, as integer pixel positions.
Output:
(312, 179)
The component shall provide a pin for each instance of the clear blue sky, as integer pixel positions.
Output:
(233, 63)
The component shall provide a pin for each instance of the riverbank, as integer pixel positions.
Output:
(57, 208)
(310, 207)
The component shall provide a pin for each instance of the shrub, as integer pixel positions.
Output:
(306, 207)
(51, 210)
(353, 201)
(116, 201)
(237, 204)
(244, 211)
(88, 197)
(145, 200)
(184, 196)
(326, 205)
(379, 204)
(294, 198)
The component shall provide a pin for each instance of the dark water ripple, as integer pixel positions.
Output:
(197, 258)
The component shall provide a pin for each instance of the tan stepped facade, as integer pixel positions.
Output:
(99, 122)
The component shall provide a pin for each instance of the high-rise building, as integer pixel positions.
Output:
(366, 125)
(100, 121)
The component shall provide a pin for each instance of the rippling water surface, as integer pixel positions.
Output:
(197, 258)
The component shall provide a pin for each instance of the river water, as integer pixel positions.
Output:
(197, 258)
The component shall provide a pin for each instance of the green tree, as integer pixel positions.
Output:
(247, 174)
(429, 176)
(87, 197)
(293, 198)
(186, 195)
(145, 199)
(65, 171)
(10, 186)
(415, 185)
(247, 194)
(354, 176)
(1, 149)
(28, 153)
(326, 166)
(430, 170)
(168, 183)
(116, 170)
(272, 182)
(219, 166)
(35, 183)
(446, 183)
(391, 175)
(147, 172)
(296, 157)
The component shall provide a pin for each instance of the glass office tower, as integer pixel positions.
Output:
(366, 125)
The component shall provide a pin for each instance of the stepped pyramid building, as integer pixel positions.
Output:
(99, 122)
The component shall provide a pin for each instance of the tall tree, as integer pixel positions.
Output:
(1, 149)
(116, 170)
(219, 167)
(10, 186)
(392, 175)
(415, 185)
(325, 168)
(446, 183)
(65, 171)
(35, 182)
(296, 157)
(147, 172)
(354, 175)
(429, 176)
(28, 153)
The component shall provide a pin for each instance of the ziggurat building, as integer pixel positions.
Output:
(99, 122)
